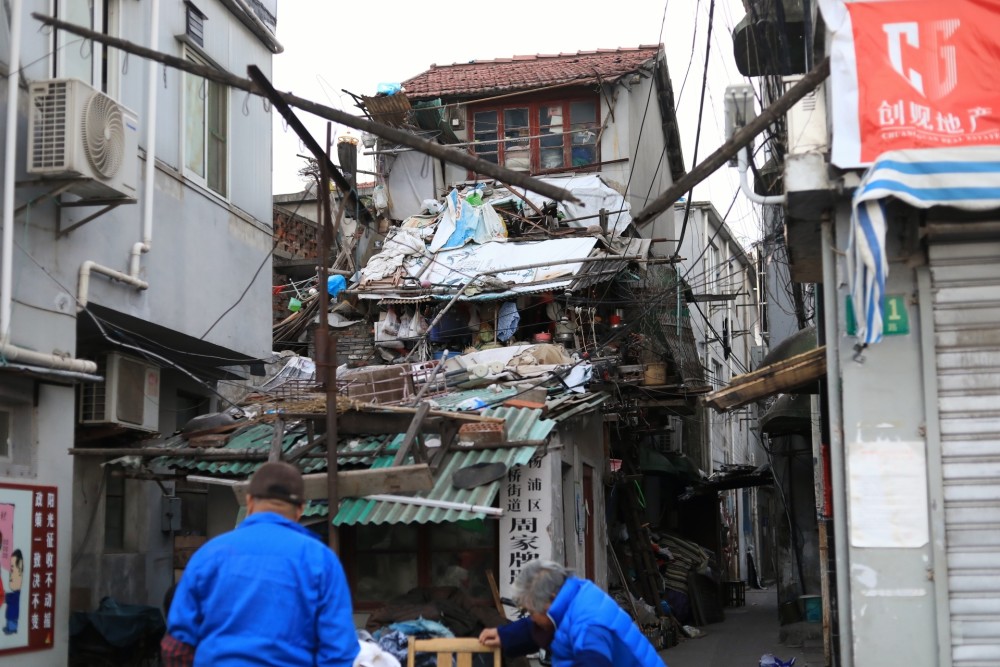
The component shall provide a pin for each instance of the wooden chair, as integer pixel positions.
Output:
(446, 647)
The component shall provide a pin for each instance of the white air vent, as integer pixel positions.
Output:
(76, 131)
(806, 121)
(129, 395)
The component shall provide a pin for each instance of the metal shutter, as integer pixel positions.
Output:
(965, 278)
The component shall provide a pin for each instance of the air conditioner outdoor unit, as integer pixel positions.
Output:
(129, 395)
(75, 131)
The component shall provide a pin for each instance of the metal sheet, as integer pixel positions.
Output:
(966, 289)
(359, 511)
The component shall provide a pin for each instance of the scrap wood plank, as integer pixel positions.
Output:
(411, 434)
(781, 376)
(360, 483)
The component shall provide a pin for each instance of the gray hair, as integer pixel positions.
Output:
(538, 583)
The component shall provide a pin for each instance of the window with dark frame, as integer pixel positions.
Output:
(538, 137)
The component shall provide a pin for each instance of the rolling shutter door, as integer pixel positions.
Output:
(965, 277)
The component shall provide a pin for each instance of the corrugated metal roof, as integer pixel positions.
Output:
(452, 401)
(360, 511)
(256, 438)
(523, 424)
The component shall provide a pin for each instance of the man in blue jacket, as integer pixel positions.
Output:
(267, 593)
(576, 621)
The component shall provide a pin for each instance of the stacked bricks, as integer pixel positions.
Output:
(295, 237)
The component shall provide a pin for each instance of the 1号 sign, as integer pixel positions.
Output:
(912, 74)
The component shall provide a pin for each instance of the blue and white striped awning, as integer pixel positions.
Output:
(961, 178)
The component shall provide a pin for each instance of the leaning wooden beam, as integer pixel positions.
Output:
(781, 376)
(200, 453)
(461, 158)
(360, 483)
(740, 138)
(411, 434)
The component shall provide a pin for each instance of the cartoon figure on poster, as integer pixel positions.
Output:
(15, 550)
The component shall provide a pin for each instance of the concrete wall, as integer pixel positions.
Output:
(39, 445)
(205, 250)
(579, 442)
(891, 588)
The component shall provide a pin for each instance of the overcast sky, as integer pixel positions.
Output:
(335, 46)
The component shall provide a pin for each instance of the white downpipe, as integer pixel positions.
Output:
(89, 267)
(145, 245)
(139, 248)
(440, 504)
(742, 165)
(10, 351)
(9, 164)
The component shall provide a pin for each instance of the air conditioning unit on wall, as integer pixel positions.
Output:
(129, 395)
(75, 131)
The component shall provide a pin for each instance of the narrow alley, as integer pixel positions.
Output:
(747, 633)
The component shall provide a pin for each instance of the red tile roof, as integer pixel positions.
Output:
(481, 77)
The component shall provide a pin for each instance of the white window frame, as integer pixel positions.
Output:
(66, 45)
(194, 54)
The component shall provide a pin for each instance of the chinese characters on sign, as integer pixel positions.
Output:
(912, 74)
(526, 501)
(28, 526)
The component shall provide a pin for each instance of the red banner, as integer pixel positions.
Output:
(926, 75)
(28, 527)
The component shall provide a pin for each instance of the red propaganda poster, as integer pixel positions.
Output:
(912, 74)
(28, 526)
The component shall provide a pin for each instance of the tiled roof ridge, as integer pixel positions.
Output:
(542, 56)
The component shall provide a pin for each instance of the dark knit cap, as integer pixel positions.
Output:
(278, 481)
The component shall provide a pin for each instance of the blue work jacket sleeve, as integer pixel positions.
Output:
(516, 638)
(185, 619)
(337, 639)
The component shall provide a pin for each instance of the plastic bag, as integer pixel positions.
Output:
(418, 325)
(404, 327)
(769, 660)
(390, 324)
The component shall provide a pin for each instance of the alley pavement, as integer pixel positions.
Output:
(747, 633)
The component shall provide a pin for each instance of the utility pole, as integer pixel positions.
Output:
(326, 345)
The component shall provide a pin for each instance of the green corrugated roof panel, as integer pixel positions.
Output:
(523, 424)
(489, 396)
(360, 511)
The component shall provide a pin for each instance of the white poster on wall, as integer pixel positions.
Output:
(887, 482)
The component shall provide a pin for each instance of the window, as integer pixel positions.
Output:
(386, 561)
(538, 136)
(85, 59)
(206, 127)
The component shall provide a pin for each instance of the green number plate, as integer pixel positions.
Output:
(895, 316)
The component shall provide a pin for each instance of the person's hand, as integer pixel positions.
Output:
(489, 637)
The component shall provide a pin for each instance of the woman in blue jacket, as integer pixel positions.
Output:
(576, 621)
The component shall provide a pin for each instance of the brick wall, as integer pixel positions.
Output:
(355, 344)
(295, 237)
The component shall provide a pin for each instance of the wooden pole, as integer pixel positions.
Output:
(461, 158)
(740, 139)
(330, 375)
